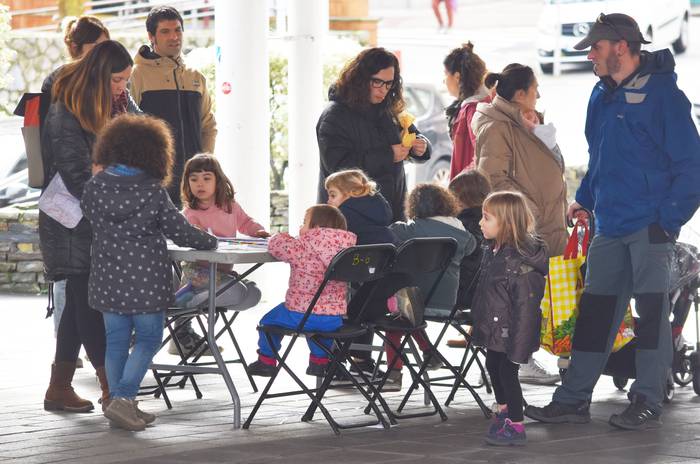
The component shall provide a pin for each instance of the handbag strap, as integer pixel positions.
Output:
(571, 250)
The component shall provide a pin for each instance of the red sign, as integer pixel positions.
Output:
(226, 88)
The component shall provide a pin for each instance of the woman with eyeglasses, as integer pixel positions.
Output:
(360, 127)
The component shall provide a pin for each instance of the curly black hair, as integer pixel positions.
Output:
(142, 142)
(428, 200)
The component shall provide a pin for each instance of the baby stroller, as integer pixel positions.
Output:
(685, 281)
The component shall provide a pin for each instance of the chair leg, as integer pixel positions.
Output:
(241, 358)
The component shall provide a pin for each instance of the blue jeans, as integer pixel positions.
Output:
(125, 370)
(282, 317)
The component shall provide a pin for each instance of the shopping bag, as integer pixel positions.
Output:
(29, 107)
(562, 293)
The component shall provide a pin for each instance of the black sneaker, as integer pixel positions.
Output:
(341, 380)
(188, 340)
(637, 416)
(261, 369)
(316, 370)
(367, 366)
(559, 413)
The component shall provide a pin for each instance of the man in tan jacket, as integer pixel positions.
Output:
(163, 86)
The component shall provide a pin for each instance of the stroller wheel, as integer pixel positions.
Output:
(683, 375)
(695, 369)
(620, 382)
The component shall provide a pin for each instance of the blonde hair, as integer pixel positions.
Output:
(515, 220)
(351, 182)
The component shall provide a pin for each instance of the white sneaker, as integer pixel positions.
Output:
(534, 373)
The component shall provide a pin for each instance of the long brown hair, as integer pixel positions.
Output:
(142, 142)
(352, 87)
(84, 86)
(515, 220)
(223, 194)
(469, 65)
(81, 31)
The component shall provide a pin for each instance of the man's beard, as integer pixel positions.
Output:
(612, 66)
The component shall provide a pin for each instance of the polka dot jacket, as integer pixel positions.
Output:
(131, 216)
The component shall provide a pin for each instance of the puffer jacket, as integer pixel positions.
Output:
(167, 88)
(66, 149)
(516, 159)
(131, 216)
(309, 255)
(349, 138)
(506, 305)
(369, 217)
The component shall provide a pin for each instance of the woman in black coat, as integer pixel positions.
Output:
(83, 95)
(360, 127)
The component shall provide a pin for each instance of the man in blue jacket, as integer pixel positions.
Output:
(643, 184)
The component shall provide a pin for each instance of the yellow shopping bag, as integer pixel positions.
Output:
(562, 293)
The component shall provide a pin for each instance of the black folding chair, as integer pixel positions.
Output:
(416, 257)
(357, 264)
(175, 320)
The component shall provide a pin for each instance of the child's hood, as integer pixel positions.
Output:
(326, 243)
(373, 208)
(124, 197)
(535, 254)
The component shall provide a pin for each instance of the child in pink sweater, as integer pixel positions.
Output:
(323, 235)
(209, 205)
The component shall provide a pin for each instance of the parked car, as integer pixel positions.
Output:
(427, 104)
(564, 23)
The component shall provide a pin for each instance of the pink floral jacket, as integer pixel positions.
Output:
(309, 255)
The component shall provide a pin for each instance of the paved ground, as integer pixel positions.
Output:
(200, 430)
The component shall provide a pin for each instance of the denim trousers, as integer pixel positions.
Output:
(125, 370)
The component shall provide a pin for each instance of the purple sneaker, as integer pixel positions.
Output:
(509, 435)
(497, 421)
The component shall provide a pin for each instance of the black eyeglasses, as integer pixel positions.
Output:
(603, 19)
(378, 83)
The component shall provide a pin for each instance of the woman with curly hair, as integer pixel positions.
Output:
(360, 127)
(464, 79)
(130, 280)
(82, 105)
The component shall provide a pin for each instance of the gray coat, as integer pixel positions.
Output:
(445, 295)
(130, 217)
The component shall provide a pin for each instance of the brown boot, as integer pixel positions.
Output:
(457, 343)
(102, 378)
(60, 395)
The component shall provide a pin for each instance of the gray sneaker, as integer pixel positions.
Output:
(147, 417)
(534, 373)
(393, 381)
(122, 413)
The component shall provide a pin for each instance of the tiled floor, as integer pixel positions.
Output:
(198, 431)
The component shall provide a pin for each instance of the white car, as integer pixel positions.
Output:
(563, 23)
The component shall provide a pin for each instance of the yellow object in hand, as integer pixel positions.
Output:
(405, 121)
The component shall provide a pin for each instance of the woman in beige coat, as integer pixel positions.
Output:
(520, 153)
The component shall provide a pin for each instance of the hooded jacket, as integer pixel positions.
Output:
(167, 88)
(516, 159)
(352, 138)
(445, 295)
(462, 134)
(369, 217)
(506, 305)
(644, 152)
(309, 255)
(131, 216)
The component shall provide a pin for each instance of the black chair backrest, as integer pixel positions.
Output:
(425, 255)
(361, 263)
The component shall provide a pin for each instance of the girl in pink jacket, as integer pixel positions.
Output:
(210, 205)
(323, 235)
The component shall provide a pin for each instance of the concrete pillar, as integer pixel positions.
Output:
(242, 102)
(307, 29)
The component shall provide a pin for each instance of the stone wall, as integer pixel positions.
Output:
(21, 268)
(39, 53)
